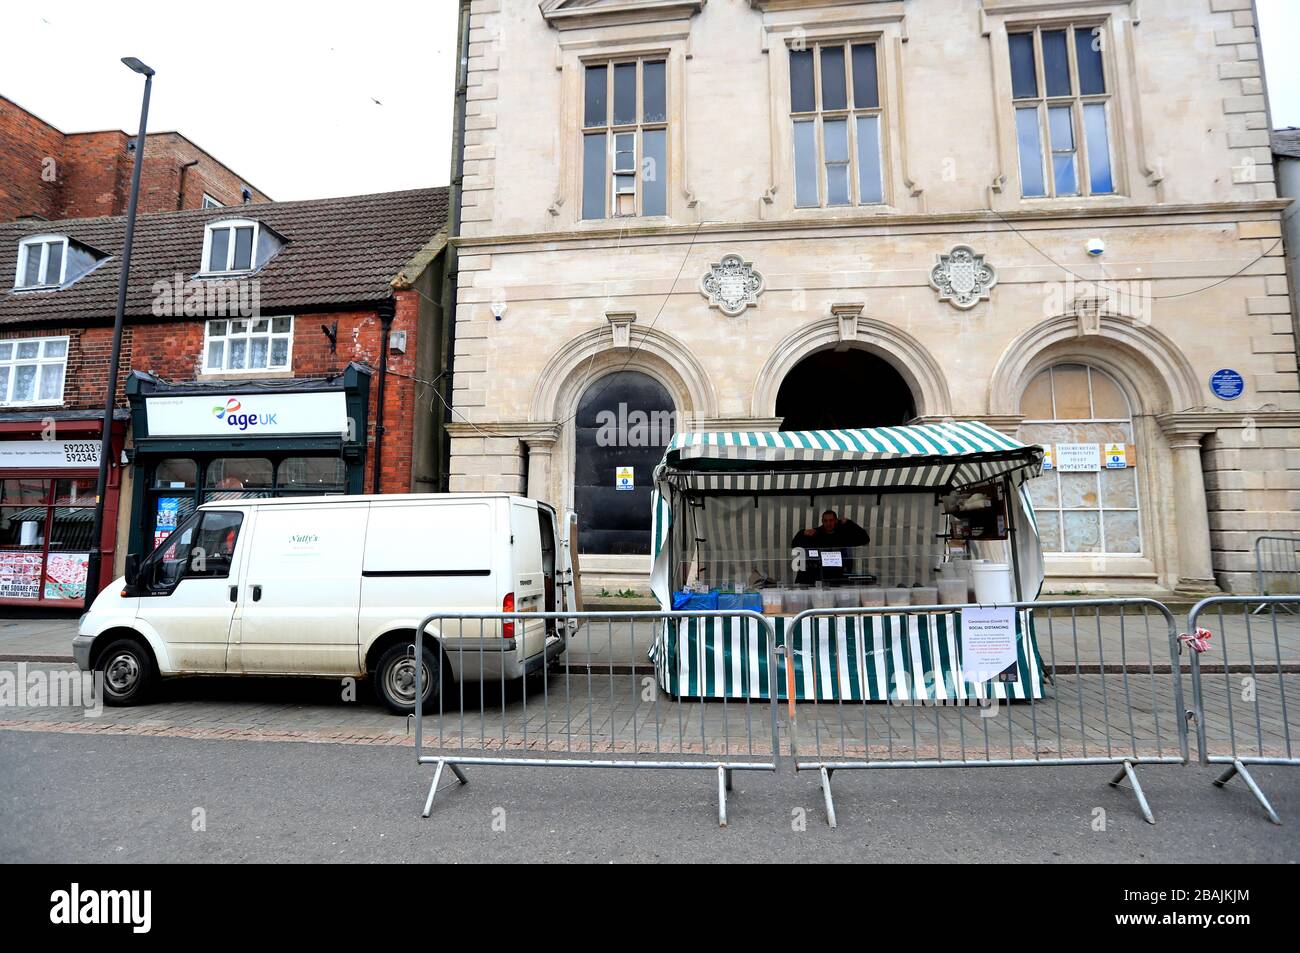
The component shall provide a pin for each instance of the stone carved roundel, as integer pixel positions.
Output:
(962, 277)
(732, 285)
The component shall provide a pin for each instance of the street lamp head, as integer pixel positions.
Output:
(136, 65)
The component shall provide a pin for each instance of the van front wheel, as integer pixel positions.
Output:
(395, 679)
(127, 670)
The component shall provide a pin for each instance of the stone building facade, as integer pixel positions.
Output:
(1055, 216)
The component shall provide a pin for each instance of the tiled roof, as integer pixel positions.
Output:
(1286, 142)
(338, 251)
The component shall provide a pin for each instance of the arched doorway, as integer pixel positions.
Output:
(623, 422)
(836, 390)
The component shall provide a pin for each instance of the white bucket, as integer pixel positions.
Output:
(992, 583)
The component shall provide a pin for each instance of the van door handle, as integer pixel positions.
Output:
(234, 593)
(257, 593)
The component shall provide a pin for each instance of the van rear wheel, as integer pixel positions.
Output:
(395, 679)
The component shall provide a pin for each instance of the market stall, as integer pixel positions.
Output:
(931, 515)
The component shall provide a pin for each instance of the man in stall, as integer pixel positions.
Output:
(826, 549)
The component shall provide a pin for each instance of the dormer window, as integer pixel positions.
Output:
(42, 262)
(236, 245)
(228, 246)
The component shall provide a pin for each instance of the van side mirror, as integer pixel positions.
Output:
(132, 570)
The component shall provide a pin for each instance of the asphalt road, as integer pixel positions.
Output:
(78, 798)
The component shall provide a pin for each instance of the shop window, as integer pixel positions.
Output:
(238, 478)
(32, 370)
(321, 476)
(625, 139)
(836, 111)
(1088, 502)
(247, 344)
(1062, 111)
(172, 496)
(45, 536)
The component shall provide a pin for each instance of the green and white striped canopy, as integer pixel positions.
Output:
(922, 457)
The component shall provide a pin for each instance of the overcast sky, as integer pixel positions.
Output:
(311, 100)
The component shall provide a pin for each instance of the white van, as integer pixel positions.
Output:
(335, 586)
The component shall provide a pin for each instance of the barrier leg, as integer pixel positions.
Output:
(723, 786)
(826, 796)
(1239, 768)
(437, 776)
(1128, 772)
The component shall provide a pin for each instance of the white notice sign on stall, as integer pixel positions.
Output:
(988, 643)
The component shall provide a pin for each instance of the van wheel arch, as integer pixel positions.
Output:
(109, 636)
(382, 644)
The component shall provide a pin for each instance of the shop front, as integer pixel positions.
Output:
(49, 465)
(201, 442)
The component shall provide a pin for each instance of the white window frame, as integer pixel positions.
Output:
(41, 361)
(210, 202)
(248, 335)
(231, 224)
(43, 242)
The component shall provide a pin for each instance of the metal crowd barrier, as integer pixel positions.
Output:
(1105, 688)
(597, 704)
(1277, 565)
(1240, 688)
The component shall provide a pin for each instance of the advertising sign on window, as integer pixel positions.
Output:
(20, 575)
(65, 575)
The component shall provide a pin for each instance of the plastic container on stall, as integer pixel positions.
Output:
(925, 596)
(898, 596)
(823, 598)
(773, 600)
(952, 590)
(846, 597)
(797, 600)
(871, 596)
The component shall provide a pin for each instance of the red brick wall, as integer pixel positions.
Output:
(26, 141)
(96, 175)
(93, 171)
(172, 351)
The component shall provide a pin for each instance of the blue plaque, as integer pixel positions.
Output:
(1227, 384)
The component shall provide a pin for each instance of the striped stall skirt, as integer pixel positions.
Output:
(894, 657)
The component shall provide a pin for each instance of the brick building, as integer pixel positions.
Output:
(49, 174)
(253, 364)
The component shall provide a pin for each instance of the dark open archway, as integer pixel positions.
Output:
(624, 421)
(832, 390)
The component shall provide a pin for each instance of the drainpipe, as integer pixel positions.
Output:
(180, 184)
(387, 310)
